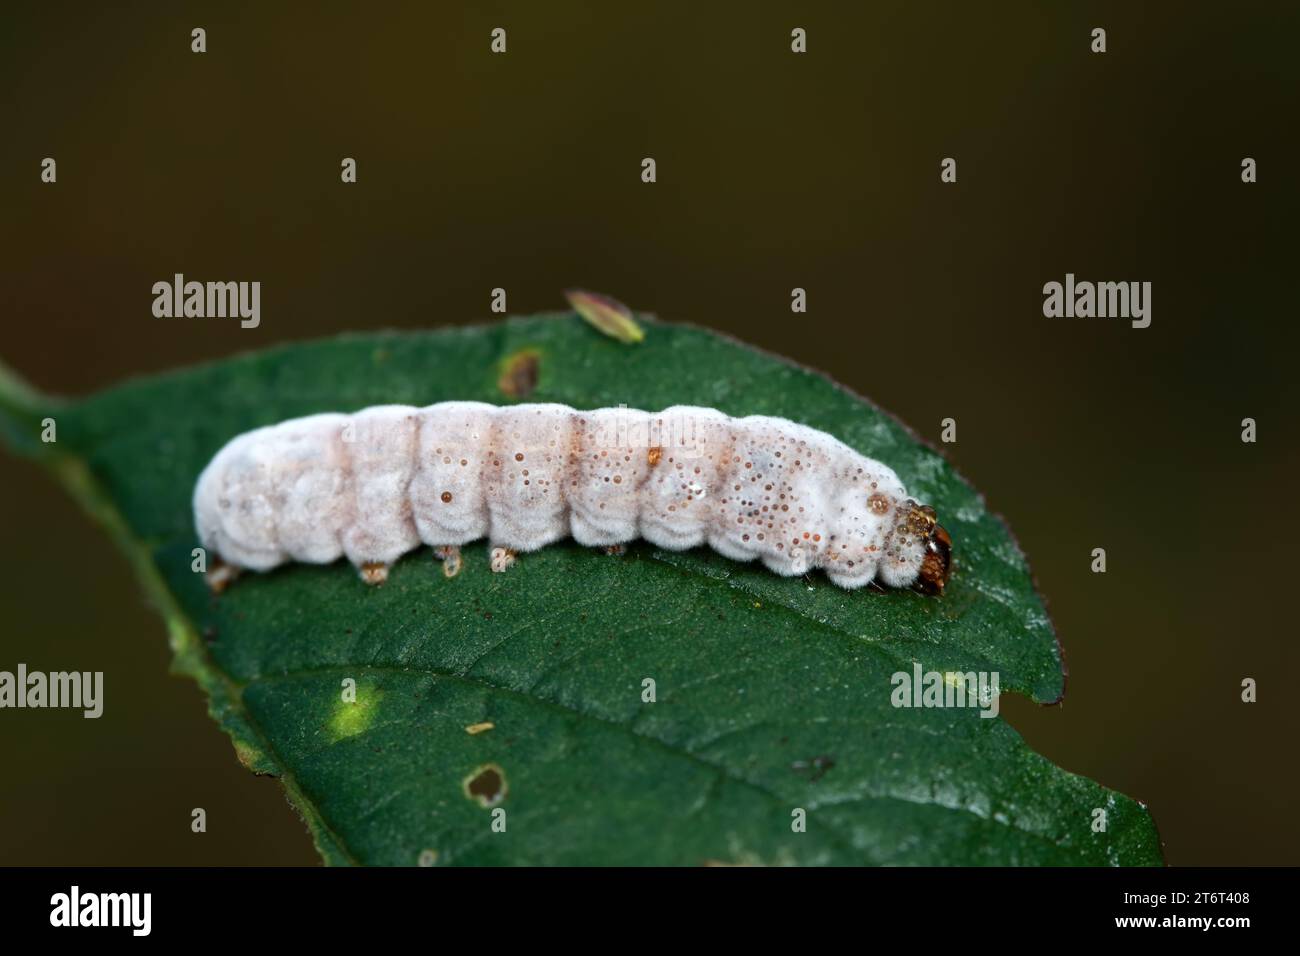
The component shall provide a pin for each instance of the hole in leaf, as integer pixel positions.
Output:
(486, 785)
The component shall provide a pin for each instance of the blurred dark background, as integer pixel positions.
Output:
(775, 170)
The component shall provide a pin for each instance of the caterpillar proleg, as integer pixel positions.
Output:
(376, 484)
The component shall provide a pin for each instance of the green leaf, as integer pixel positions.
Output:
(772, 694)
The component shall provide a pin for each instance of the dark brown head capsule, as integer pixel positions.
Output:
(936, 564)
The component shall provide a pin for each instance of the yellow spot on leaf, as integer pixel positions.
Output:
(955, 679)
(351, 719)
(479, 728)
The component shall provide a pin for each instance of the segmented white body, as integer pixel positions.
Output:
(376, 484)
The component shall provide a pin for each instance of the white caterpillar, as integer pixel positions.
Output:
(376, 484)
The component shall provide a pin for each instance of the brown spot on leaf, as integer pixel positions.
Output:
(520, 373)
(817, 765)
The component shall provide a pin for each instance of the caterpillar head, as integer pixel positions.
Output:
(921, 522)
(917, 550)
